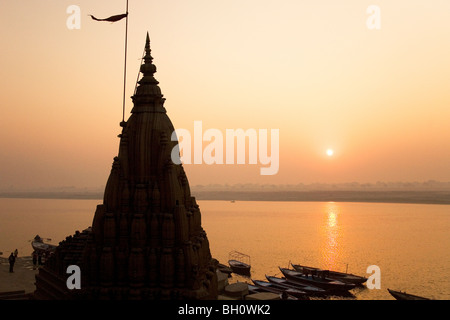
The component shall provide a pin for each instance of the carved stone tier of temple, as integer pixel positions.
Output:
(146, 239)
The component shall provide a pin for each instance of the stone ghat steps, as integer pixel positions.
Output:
(14, 295)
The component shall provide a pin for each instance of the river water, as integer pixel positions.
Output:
(410, 243)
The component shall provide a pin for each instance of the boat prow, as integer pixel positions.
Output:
(38, 245)
(398, 295)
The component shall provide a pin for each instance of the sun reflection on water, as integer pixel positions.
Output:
(332, 237)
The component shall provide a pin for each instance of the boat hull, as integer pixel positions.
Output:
(341, 276)
(309, 289)
(255, 289)
(43, 247)
(321, 282)
(398, 295)
(239, 267)
(270, 287)
(224, 269)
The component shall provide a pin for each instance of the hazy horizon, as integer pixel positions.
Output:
(314, 70)
(430, 185)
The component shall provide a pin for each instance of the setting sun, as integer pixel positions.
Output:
(330, 152)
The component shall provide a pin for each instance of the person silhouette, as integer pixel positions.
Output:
(35, 258)
(12, 260)
(40, 258)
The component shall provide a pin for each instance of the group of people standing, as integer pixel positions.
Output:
(37, 259)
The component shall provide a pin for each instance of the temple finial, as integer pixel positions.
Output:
(147, 46)
(148, 58)
(147, 88)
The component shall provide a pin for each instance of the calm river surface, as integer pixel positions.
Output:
(410, 243)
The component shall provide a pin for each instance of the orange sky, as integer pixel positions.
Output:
(312, 69)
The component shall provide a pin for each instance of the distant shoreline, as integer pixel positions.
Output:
(413, 197)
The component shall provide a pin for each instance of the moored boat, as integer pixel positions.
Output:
(39, 245)
(341, 276)
(317, 281)
(239, 267)
(239, 263)
(398, 295)
(309, 289)
(224, 269)
(270, 287)
(256, 289)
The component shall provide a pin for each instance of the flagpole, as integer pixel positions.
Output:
(125, 66)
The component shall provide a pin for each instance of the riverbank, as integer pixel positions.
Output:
(416, 197)
(23, 277)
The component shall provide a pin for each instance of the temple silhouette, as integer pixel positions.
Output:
(146, 240)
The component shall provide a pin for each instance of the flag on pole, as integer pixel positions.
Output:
(115, 18)
(112, 18)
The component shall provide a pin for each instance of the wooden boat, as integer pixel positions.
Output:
(321, 282)
(309, 289)
(239, 267)
(39, 245)
(224, 269)
(256, 289)
(239, 263)
(341, 276)
(405, 296)
(270, 287)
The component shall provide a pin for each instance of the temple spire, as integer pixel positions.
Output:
(148, 59)
(146, 240)
(147, 46)
(148, 92)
